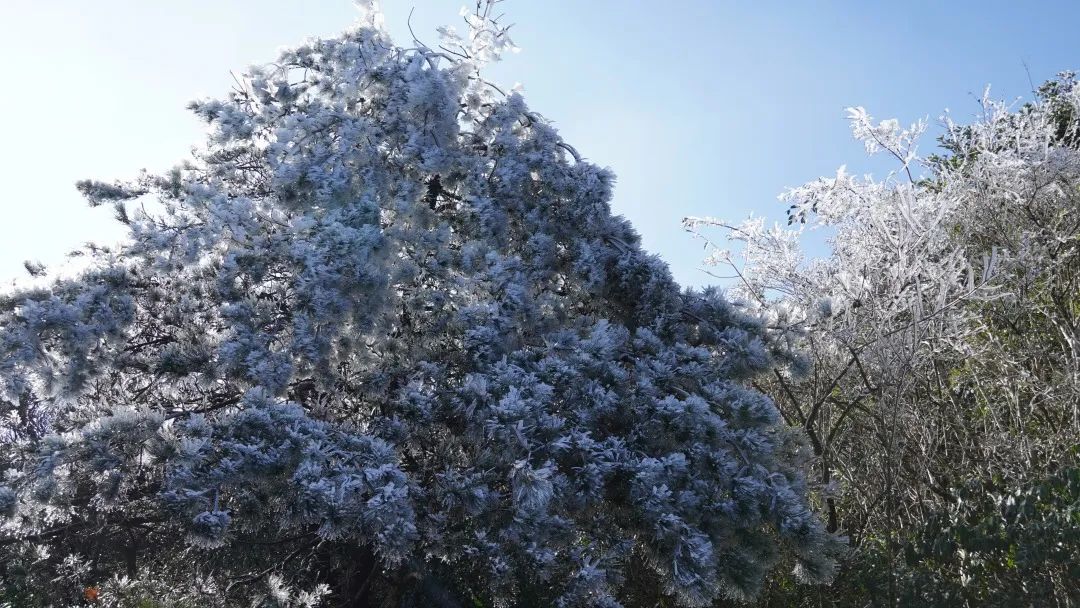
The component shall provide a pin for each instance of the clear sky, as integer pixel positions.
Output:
(702, 107)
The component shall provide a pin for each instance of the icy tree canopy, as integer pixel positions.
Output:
(382, 341)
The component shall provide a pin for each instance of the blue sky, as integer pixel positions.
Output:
(701, 107)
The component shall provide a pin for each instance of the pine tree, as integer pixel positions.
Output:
(381, 341)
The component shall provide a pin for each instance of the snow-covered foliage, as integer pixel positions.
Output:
(941, 335)
(382, 341)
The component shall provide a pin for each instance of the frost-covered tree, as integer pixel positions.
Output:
(941, 336)
(381, 341)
